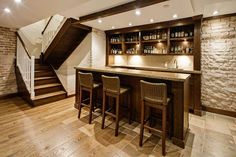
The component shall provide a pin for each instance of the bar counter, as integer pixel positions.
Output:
(177, 87)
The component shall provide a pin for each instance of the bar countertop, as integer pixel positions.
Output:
(162, 69)
(138, 73)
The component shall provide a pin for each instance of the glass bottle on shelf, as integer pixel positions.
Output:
(182, 34)
(190, 33)
(158, 35)
(172, 49)
(176, 34)
(186, 34)
(172, 35)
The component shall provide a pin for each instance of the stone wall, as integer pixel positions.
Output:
(7, 61)
(219, 63)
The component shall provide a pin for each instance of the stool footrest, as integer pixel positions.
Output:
(110, 114)
(153, 129)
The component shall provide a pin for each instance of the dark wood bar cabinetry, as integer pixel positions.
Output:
(177, 88)
(171, 38)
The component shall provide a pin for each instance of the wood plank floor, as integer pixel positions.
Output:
(54, 130)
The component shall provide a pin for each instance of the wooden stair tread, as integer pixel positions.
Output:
(38, 97)
(43, 70)
(47, 85)
(44, 78)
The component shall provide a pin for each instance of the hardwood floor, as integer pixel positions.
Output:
(54, 130)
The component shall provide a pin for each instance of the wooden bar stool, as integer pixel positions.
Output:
(111, 88)
(154, 95)
(86, 83)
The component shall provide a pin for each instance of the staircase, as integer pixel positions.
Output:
(47, 86)
(70, 35)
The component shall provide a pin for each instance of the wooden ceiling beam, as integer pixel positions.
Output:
(119, 9)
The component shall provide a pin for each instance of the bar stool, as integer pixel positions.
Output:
(154, 95)
(111, 88)
(86, 83)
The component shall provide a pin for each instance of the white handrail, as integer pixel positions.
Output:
(26, 67)
(51, 31)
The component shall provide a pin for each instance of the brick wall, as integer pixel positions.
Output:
(7, 56)
(219, 63)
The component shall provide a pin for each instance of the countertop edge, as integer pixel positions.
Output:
(159, 69)
(133, 74)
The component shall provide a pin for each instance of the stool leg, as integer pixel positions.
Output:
(90, 106)
(150, 118)
(103, 109)
(130, 109)
(142, 123)
(80, 103)
(117, 116)
(164, 131)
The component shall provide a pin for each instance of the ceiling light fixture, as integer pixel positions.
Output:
(7, 10)
(138, 12)
(130, 24)
(215, 12)
(99, 21)
(18, 1)
(151, 20)
(175, 16)
(113, 27)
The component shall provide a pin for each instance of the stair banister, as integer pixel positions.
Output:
(25, 63)
(32, 94)
(51, 29)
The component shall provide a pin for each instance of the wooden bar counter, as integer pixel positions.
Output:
(177, 87)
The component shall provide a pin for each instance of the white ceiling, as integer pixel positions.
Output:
(158, 12)
(31, 11)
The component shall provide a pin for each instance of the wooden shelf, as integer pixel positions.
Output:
(116, 43)
(154, 41)
(162, 54)
(132, 42)
(116, 54)
(181, 39)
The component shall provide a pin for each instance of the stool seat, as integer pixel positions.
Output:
(124, 89)
(154, 101)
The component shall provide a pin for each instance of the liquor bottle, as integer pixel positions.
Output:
(158, 35)
(172, 49)
(176, 34)
(190, 33)
(186, 34)
(172, 35)
(182, 34)
(164, 35)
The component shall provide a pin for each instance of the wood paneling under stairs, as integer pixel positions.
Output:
(65, 42)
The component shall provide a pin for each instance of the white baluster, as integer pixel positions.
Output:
(32, 94)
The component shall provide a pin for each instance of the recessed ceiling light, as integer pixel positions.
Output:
(175, 16)
(138, 12)
(130, 24)
(151, 20)
(7, 10)
(99, 21)
(113, 27)
(215, 12)
(18, 1)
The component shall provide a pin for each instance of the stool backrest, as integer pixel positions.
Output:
(153, 92)
(86, 80)
(111, 84)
